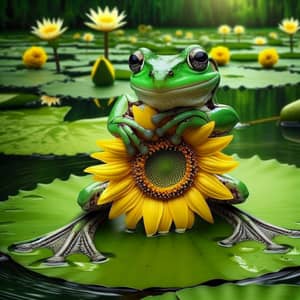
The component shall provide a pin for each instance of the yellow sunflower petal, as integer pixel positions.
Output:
(179, 212)
(110, 171)
(134, 215)
(196, 136)
(191, 219)
(213, 145)
(116, 190)
(210, 186)
(108, 157)
(143, 116)
(223, 156)
(125, 204)
(197, 203)
(213, 164)
(115, 146)
(152, 213)
(166, 220)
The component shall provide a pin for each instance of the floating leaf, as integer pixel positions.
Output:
(232, 292)
(234, 77)
(28, 79)
(43, 131)
(83, 87)
(173, 260)
(15, 100)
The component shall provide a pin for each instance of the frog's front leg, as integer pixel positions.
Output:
(181, 119)
(121, 124)
(77, 236)
(246, 227)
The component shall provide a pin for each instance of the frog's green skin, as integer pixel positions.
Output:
(168, 84)
(174, 89)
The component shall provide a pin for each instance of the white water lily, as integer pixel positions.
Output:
(49, 29)
(105, 20)
(289, 26)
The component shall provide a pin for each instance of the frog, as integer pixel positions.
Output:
(181, 88)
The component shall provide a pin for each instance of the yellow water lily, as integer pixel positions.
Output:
(49, 29)
(189, 35)
(105, 20)
(224, 30)
(273, 35)
(239, 30)
(220, 54)
(49, 100)
(34, 57)
(167, 38)
(179, 33)
(260, 41)
(88, 37)
(268, 57)
(169, 184)
(289, 26)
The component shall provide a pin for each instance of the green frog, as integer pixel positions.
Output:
(181, 89)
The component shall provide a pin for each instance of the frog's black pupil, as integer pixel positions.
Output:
(201, 56)
(133, 59)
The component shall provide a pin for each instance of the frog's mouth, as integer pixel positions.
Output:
(167, 98)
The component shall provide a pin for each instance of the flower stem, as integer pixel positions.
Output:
(291, 43)
(56, 58)
(105, 44)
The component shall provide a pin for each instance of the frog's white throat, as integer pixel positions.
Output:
(165, 99)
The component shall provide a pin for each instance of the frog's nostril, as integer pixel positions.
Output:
(170, 73)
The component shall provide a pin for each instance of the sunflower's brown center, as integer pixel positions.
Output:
(166, 171)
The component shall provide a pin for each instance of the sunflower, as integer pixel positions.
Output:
(220, 54)
(34, 57)
(169, 184)
(268, 57)
(105, 20)
(49, 30)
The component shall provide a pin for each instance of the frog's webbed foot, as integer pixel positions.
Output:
(182, 121)
(249, 228)
(76, 237)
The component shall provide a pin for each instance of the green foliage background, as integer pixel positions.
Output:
(20, 14)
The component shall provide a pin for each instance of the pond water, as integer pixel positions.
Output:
(263, 138)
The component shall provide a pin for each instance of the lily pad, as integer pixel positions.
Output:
(235, 77)
(28, 79)
(44, 131)
(169, 261)
(15, 100)
(233, 292)
(83, 87)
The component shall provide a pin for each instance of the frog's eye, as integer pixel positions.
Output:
(197, 59)
(136, 61)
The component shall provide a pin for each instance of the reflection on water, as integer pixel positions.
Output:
(268, 141)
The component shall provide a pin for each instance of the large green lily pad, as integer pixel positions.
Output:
(173, 260)
(44, 131)
(235, 77)
(233, 292)
(83, 87)
(28, 78)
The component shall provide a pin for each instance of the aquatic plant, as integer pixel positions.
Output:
(239, 30)
(260, 41)
(268, 57)
(224, 30)
(220, 54)
(34, 57)
(106, 21)
(50, 30)
(290, 27)
(48, 100)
